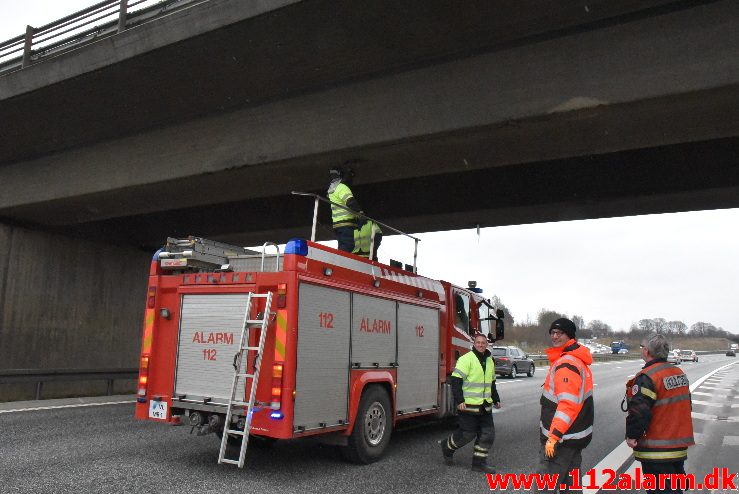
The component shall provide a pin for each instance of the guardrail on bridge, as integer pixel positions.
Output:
(85, 26)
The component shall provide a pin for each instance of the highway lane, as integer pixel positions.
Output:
(103, 449)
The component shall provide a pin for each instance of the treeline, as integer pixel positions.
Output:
(538, 331)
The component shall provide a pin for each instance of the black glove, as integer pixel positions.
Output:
(362, 220)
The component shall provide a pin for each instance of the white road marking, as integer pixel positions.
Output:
(708, 404)
(703, 416)
(67, 406)
(709, 394)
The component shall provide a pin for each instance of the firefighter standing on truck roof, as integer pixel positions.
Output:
(567, 412)
(475, 395)
(659, 426)
(344, 222)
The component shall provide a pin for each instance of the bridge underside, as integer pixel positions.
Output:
(457, 118)
(684, 177)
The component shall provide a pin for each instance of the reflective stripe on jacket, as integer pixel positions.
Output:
(567, 409)
(340, 193)
(475, 381)
(670, 430)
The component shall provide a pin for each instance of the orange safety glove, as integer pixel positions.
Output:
(549, 447)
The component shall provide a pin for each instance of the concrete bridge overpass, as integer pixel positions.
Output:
(204, 120)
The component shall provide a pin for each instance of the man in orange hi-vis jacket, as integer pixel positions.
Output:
(566, 404)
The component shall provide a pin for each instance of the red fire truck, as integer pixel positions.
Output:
(311, 341)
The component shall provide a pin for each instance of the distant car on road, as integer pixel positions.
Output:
(731, 353)
(622, 351)
(511, 360)
(618, 345)
(688, 355)
(674, 357)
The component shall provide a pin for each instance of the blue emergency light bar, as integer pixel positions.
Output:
(297, 246)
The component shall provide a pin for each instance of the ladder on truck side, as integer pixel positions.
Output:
(240, 375)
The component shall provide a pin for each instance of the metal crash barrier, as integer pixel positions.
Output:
(40, 376)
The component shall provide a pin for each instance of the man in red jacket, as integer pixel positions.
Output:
(659, 426)
(567, 411)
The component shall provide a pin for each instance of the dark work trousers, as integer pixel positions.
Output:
(478, 426)
(345, 236)
(565, 459)
(657, 468)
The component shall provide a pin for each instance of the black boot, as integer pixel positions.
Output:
(448, 453)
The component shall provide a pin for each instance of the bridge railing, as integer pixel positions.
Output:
(40, 376)
(85, 26)
(318, 199)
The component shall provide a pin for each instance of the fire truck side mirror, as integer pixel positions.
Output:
(499, 329)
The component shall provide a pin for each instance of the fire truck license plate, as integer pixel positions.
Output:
(173, 263)
(158, 410)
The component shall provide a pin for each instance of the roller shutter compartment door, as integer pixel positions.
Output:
(210, 330)
(418, 358)
(322, 378)
(374, 332)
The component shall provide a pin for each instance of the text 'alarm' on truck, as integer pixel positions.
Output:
(308, 342)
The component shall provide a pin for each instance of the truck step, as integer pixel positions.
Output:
(235, 432)
(238, 403)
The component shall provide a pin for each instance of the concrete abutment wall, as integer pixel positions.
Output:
(68, 303)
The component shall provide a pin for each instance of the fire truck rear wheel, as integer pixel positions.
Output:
(372, 428)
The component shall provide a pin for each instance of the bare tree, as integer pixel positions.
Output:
(660, 325)
(578, 321)
(498, 304)
(677, 327)
(546, 317)
(703, 329)
(599, 328)
(645, 326)
(584, 333)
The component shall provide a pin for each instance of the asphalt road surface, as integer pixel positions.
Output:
(104, 449)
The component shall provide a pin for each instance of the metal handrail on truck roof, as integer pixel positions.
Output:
(361, 215)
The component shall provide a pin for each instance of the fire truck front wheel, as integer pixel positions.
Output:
(372, 428)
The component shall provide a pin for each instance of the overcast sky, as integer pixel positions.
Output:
(679, 266)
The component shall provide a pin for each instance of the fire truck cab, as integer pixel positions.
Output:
(340, 346)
